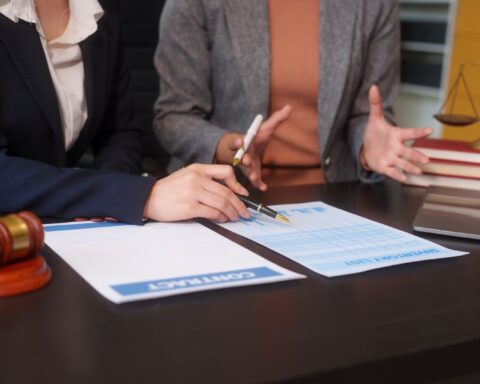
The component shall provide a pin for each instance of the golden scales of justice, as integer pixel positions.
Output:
(454, 119)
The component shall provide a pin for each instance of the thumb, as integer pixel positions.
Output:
(236, 143)
(375, 100)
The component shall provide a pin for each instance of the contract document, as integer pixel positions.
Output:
(333, 242)
(128, 262)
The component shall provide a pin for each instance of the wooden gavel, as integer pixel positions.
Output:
(22, 269)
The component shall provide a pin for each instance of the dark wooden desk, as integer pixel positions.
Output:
(410, 323)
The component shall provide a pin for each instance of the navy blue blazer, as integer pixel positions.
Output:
(36, 173)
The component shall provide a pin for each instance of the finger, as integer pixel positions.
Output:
(257, 181)
(375, 100)
(413, 155)
(247, 160)
(226, 174)
(408, 167)
(94, 219)
(254, 174)
(282, 114)
(274, 121)
(218, 202)
(395, 174)
(226, 194)
(268, 127)
(251, 175)
(407, 134)
(210, 213)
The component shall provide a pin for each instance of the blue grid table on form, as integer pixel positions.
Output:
(334, 242)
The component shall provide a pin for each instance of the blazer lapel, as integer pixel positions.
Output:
(337, 23)
(23, 43)
(95, 63)
(249, 30)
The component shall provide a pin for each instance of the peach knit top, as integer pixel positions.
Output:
(292, 157)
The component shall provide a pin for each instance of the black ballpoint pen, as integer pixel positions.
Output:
(259, 207)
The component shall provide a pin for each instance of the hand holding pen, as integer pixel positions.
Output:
(259, 207)
(251, 162)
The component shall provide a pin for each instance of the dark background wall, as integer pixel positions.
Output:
(140, 20)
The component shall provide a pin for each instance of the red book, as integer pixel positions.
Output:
(448, 150)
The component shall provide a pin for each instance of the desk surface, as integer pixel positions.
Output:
(409, 323)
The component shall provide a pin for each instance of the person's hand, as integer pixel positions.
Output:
(193, 192)
(96, 219)
(251, 164)
(384, 150)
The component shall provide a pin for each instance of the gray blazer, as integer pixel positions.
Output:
(213, 59)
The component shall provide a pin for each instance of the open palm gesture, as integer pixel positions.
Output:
(384, 150)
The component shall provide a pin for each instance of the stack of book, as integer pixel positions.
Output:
(452, 164)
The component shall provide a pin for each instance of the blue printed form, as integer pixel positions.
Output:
(129, 262)
(333, 242)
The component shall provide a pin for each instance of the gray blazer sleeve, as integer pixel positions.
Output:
(382, 67)
(184, 106)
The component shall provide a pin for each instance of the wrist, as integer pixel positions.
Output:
(219, 156)
(147, 208)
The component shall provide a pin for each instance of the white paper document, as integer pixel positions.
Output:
(333, 242)
(127, 262)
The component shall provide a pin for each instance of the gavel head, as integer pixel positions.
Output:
(22, 268)
(21, 236)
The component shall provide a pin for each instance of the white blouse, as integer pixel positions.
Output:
(64, 58)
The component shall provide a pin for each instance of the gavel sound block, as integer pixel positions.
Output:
(22, 268)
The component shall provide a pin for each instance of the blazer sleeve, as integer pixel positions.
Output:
(119, 146)
(382, 67)
(68, 193)
(185, 102)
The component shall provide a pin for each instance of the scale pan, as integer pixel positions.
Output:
(455, 120)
